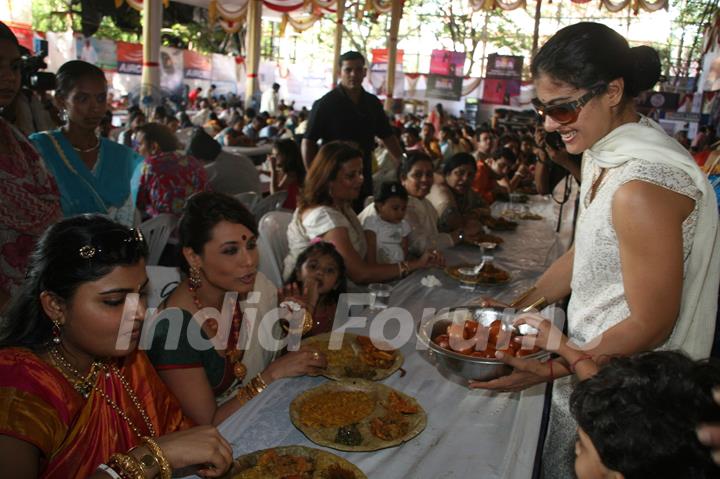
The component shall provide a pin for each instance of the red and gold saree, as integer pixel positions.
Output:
(74, 435)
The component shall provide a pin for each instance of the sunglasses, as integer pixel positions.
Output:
(111, 245)
(565, 113)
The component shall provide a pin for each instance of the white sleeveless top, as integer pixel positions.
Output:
(598, 295)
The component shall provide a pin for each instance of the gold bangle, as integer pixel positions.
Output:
(262, 382)
(165, 469)
(519, 300)
(128, 465)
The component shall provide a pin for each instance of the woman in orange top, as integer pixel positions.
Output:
(79, 400)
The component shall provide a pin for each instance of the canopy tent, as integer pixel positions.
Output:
(231, 14)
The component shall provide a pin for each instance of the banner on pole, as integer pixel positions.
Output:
(444, 87)
(447, 63)
(504, 66)
(102, 53)
(171, 70)
(196, 66)
(129, 58)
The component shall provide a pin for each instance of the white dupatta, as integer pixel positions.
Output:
(693, 332)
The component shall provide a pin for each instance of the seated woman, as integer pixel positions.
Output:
(93, 174)
(167, 177)
(78, 397)
(320, 274)
(287, 171)
(324, 211)
(218, 237)
(416, 176)
(456, 204)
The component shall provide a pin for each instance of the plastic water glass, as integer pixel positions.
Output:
(379, 295)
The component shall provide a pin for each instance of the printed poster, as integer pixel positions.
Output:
(100, 52)
(129, 58)
(196, 66)
(447, 63)
(444, 87)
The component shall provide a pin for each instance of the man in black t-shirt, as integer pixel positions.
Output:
(349, 113)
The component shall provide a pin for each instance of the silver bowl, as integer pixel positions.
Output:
(467, 367)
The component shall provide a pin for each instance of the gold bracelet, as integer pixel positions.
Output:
(519, 300)
(404, 268)
(128, 465)
(165, 469)
(262, 382)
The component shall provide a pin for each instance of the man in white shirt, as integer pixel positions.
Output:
(270, 100)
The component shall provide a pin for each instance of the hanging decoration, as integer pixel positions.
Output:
(650, 6)
(137, 4)
(380, 6)
(615, 7)
(284, 5)
(300, 24)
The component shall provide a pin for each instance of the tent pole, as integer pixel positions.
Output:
(152, 24)
(536, 32)
(338, 41)
(396, 14)
(252, 45)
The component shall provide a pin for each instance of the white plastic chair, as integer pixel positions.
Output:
(273, 244)
(157, 232)
(161, 281)
(269, 203)
(249, 199)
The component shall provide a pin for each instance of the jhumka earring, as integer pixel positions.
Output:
(194, 280)
(56, 332)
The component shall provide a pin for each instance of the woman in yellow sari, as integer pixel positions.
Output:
(77, 399)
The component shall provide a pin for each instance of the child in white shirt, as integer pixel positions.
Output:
(386, 230)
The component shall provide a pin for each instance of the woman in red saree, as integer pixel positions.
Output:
(74, 390)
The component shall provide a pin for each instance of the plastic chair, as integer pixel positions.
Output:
(249, 199)
(273, 244)
(157, 232)
(161, 282)
(269, 203)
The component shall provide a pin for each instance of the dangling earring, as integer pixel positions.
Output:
(56, 333)
(64, 116)
(194, 280)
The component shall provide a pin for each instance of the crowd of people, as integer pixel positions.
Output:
(373, 199)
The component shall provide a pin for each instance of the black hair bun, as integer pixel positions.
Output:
(645, 70)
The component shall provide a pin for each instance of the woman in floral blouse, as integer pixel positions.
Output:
(167, 178)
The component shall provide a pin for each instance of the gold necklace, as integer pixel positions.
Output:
(84, 385)
(136, 402)
(87, 150)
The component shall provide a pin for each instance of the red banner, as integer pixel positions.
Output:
(445, 62)
(129, 58)
(23, 34)
(380, 55)
(196, 65)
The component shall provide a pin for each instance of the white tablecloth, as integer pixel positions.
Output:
(470, 433)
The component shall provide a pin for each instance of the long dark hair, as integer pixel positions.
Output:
(292, 157)
(323, 248)
(323, 170)
(57, 266)
(590, 55)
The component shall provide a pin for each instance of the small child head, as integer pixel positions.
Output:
(391, 200)
(321, 261)
(637, 418)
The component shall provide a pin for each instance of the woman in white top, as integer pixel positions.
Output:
(644, 268)
(332, 183)
(416, 176)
